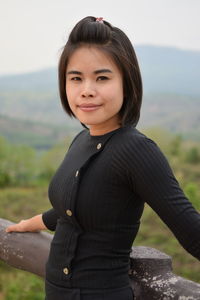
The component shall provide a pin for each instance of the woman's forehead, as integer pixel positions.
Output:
(91, 56)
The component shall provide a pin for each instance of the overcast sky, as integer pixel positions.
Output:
(33, 31)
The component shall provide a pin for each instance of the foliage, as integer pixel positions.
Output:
(20, 165)
(17, 164)
(50, 160)
(175, 145)
(193, 155)
(192, 192)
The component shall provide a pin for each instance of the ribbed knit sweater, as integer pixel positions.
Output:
(98, 195)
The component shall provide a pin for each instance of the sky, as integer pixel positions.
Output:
(32, 32)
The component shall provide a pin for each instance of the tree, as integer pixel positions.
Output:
(191, 191)
(175, 145)
(193, 155)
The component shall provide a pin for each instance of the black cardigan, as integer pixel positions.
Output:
(98, 196)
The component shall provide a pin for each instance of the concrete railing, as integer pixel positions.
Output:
(150, 273)
(152, 277)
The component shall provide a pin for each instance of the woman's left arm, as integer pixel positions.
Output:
(155, 183)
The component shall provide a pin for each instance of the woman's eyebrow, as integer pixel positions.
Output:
(74, 72)
(103, 71)
(95, 72)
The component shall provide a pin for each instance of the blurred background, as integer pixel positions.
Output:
(35, 132)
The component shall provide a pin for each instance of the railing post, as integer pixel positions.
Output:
(152, 278)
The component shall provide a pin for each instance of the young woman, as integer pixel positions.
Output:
(110, 171)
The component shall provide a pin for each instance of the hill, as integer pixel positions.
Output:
(39, 135)
(176, 113)
(170, 70)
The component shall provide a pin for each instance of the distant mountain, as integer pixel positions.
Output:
(169, 70)
(42, 80)
(171, 80)
(164, 70)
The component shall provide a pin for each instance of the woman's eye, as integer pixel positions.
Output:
(102, 78)
(76, 78)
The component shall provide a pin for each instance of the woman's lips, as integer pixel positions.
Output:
(88, 107)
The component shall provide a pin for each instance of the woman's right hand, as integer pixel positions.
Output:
(33, 224)
(22, 226)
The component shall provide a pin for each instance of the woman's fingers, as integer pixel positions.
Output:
(34, 224)
(11, 228)
(16, 227)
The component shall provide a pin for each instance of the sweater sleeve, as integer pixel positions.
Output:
(50, 218)
(154, 182)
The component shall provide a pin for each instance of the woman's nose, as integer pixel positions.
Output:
(88, 90)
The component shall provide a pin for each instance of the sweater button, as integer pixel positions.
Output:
(66, 271)
(99, 146)
(77, 172)
(69, 212)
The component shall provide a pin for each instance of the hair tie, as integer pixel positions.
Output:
(99, 20)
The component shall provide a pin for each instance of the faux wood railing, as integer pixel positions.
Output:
(150, 273)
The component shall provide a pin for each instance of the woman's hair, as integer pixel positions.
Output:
(114, 42)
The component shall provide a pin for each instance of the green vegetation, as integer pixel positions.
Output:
(24, 177)
(21, 165)
(40, 136)
(18, 203)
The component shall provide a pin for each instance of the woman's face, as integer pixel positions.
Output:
(94, 89)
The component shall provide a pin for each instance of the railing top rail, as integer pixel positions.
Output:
(150, 270)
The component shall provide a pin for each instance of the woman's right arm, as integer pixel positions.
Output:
(33, 224)
(47, 220)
